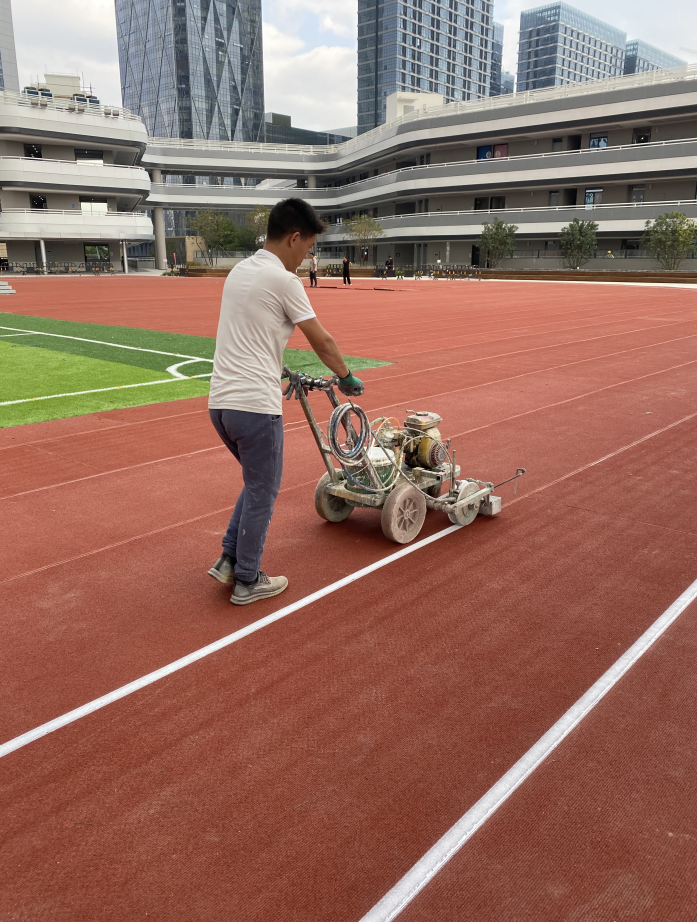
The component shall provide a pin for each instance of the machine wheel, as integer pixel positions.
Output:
(465, 515)
(403, 514)
(329, 507)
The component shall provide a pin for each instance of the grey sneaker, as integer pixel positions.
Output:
(223, 570)
(265, 587)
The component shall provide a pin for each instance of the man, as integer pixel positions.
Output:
(313, 271)
(263, 299)
(346, 265)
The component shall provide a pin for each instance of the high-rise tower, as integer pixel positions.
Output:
(421, 46)
(193, 68)
(8, 56)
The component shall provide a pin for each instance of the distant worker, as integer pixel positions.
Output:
(610, 254)
(389, 266)
(313, 271)
(263, 299)
(347, 270)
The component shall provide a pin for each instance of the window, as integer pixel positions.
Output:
(557, 144)
(424, 159)
(636, 193)
(593, 197)
(481, 204)
(641, 136)
(96, 252)
(33, 151)
(500, 150)
(575, 142)
(553, 199)
(498, 201)
(486, 152)
(598, 140)
(91, 205)
(37, 201)
(97, 155)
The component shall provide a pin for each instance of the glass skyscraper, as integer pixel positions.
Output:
(640, 57)
(421, 46)
(8, 56)
(560, 44)
(193, 68)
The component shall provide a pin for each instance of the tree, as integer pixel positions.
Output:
(215, 230)
(246, 239)
(497, 242)
(671, 238)
(363, 230)
(578, 242)
(257, 221)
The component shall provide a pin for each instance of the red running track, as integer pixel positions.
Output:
(298, 774)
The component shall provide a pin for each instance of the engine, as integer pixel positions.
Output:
(423, 447)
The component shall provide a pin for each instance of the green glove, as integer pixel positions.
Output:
(351, 386)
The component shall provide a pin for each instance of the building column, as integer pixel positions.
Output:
(125, 257)
(44, 260)
(158, 220)
(311, 182)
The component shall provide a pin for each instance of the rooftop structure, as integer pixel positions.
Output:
(279, 130)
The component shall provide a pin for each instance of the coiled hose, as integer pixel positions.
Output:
(341, 415)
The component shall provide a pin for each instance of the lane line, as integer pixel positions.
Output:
(89, 708)
(435, 859)
(71, 716)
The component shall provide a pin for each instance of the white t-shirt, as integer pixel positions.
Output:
(261, 304)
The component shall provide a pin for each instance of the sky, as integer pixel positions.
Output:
(309, 46)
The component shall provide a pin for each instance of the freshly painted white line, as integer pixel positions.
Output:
(8, 335)
(90, 707)
(100, 390)
(392, 904)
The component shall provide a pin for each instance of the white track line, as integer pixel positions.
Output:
(392, 904)
(135, 686)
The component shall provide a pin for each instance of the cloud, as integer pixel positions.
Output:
(316, 87)
(309, 16)
(73, 36)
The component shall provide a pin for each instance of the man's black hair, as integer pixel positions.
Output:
(293, 215)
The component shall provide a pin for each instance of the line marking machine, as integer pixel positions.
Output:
(400, 469)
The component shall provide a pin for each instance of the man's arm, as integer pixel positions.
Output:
(324, 344)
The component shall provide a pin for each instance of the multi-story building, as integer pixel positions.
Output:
(507, 83)
(192, 68)
(559, 44)
(9, 79)
(70, 182)
(640, 57)
(496, 87)
(430, 46)
(617, 152)
(280, 130)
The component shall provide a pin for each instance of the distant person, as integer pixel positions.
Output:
(313, 271)
(389, 266)
(347, 270)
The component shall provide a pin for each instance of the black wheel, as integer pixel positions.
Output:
(329, 507)
(403, 513)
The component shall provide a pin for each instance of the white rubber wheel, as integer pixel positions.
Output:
(329, 507)
(465, 515)
(403, 514)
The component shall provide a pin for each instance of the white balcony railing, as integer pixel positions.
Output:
(493, 103)
(67, 105)
(82, 175)
(49, 224)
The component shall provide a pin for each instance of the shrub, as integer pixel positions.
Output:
(578, 242)
(671, 238)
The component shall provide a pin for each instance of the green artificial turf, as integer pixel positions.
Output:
(34, 365)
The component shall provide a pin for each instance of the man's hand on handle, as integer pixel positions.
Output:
(351, 386)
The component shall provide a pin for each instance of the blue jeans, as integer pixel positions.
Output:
(256, 440)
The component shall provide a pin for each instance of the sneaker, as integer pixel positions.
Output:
(265, 587)
(223, 570)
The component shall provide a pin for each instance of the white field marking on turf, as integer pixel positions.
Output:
(101, 390)
(125, 690)
(435, 859)
(100, 342)
(131, 687)
(8, 335)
